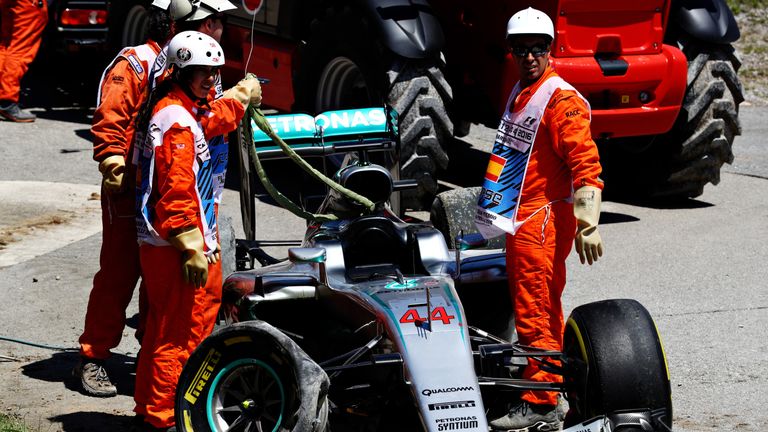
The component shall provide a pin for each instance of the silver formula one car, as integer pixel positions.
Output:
(375, 324)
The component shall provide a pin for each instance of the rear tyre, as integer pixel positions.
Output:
(616, 362)
(227, 243)
(453, 212)
(678, 164)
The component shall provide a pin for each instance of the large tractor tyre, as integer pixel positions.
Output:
(678, 164)
(453, 212)
(345, 66)
(420, 94)
(616, 362)
(702, 139)
(130, 23)
(242, 378)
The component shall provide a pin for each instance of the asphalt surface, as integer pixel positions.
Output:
(699, 268)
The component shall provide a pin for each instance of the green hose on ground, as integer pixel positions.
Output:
(38, 345)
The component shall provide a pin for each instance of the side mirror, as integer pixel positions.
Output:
(467, 242)
(310, 255)
(470, 241)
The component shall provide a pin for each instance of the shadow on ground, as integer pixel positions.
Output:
(657, 203)
(58, 368)
(466, 166)
(61, 88)
(92, 421)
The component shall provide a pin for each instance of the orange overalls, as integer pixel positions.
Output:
(21, 30)
(121, 94)
(177, 191)
(564, 158)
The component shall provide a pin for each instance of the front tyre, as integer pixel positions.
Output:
(245, 377)
(615, 361)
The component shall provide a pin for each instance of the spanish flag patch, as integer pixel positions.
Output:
(495, 165)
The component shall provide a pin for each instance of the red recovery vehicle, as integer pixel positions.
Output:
(660, 75)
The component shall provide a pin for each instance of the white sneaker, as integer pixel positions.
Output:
(94, 378)
(525, 417)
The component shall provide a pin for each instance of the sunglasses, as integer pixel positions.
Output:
(206, 71)
(536, 50)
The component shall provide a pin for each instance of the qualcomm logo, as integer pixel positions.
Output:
(430, 392)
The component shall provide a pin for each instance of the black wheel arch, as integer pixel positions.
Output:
(421, 38)
(706, 20)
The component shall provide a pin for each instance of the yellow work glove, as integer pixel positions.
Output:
(112, 169)
(247, 92)
(195, 265)
(586, 208)
(215, 256)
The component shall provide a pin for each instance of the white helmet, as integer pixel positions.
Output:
(191, 48)
(178, 9)
(201, 9)
(530, 21)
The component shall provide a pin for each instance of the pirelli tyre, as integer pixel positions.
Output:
(344, 66)
(678, 164)
(615, 361)
(250, 376)
(453, 212)
(227, 242)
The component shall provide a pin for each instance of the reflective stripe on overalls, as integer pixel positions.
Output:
(161, 122)
(505, 176)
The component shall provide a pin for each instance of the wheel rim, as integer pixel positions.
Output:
(135, 26)
(342, 85)
(246, 395)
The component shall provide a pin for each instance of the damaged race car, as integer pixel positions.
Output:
(374, 324)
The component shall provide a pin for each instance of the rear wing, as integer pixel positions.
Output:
(331, 132)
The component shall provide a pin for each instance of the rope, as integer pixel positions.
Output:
(263, 124)
(281, 199)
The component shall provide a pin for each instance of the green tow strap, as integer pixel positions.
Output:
(258, 118)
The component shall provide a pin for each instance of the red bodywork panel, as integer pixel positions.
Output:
(616, 108)
(627, 31)
(272, 58)
(623, 31)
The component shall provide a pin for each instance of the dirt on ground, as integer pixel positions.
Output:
(752, 48)
(36, 382)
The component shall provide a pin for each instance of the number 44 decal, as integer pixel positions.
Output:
(438, 314)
